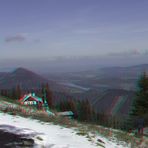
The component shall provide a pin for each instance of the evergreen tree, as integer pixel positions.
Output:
(13, 93)
(47, 94)
(4, 92)
(16, 92)
(73, 107)
(140, 105)
(85, 111)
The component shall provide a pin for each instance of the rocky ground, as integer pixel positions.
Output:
(10, 140)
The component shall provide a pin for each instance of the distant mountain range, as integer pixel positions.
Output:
(114, 102)
(109, 78)
(25, 78)
(131, 71)
(111, 90)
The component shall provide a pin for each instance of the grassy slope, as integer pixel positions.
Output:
(84, 129)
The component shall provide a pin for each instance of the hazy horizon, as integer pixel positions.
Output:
(79, 34)
(73, 65)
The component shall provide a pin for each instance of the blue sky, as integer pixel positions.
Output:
(47, 29)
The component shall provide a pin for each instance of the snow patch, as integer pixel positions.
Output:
(46, 135)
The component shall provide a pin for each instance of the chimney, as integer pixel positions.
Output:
(33, 94)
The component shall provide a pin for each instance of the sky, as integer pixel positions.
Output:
(41, 31)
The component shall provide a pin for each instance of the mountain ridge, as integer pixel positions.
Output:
(22, 76)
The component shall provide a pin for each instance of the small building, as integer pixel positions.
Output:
(31, 99)
(69, 114)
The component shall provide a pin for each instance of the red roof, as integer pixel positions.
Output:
(30, 97)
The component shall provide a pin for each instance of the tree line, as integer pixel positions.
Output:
(17, 92)
(83, 110)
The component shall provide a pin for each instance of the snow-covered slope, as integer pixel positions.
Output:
(49, 135)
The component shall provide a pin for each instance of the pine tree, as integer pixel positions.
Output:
(140, 105)
(16, 92)
(47, 94)
(13, 93)
(73, 107)
(85, 111)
